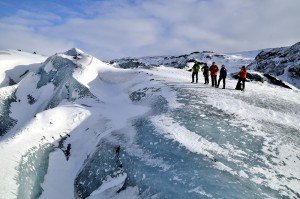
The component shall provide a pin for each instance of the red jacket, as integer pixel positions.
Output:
(243, 74)
(214, 70)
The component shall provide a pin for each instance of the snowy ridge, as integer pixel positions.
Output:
(282, 63)
(233, 61)
(55, 101)
(16, 64)
(75, 127)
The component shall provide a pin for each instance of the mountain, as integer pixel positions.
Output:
(232, 61)
(279, 66)
(73, 126)
(283, 63)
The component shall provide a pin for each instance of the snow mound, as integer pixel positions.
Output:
(14, 65)
(56, 80)
(53, 119)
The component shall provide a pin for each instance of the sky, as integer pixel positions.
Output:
(109, 29)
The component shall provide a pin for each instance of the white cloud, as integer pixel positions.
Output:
(31, 19)
(24, 38)
(110, 29)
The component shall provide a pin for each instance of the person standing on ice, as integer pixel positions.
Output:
(205, 70)
(223, 74)
(195, 71)
(242, 78)
(213, 73)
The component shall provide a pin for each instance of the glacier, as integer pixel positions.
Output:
(73, 126)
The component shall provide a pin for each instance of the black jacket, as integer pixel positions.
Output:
(223, 72)
(205, 70)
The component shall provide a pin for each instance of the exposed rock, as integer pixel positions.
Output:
(252, 76)
(132, 63)
(294, 72)
(283, 63)
(256, 76)
(276, 81)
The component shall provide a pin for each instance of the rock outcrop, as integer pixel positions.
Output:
(283, 63)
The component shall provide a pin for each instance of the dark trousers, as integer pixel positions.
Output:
(241, 84)
(206, 79)
(220, 78)
(193, 76)
(214, 80)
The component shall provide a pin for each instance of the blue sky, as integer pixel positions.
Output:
(119, 28)
(10, 7)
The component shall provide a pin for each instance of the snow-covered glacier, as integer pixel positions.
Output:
(75, 127)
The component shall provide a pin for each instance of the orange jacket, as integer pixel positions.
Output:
(214, 70)
(243, 74)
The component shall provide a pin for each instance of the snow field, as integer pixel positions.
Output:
(266, 111)
(176, 139)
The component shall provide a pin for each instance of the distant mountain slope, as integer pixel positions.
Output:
(282, 62)
(233, 61)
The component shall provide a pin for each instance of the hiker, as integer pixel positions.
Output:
(195, 71)
(242, 78)
(213, 73)
(223, 74)
(205, 70)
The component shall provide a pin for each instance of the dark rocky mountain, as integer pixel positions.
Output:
(284, 63)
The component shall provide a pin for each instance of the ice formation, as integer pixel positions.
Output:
(75, 127)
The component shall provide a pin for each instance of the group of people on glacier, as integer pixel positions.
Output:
(213, 72)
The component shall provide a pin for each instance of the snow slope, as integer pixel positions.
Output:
(15, 64)
(67, 99)
(76, 127)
